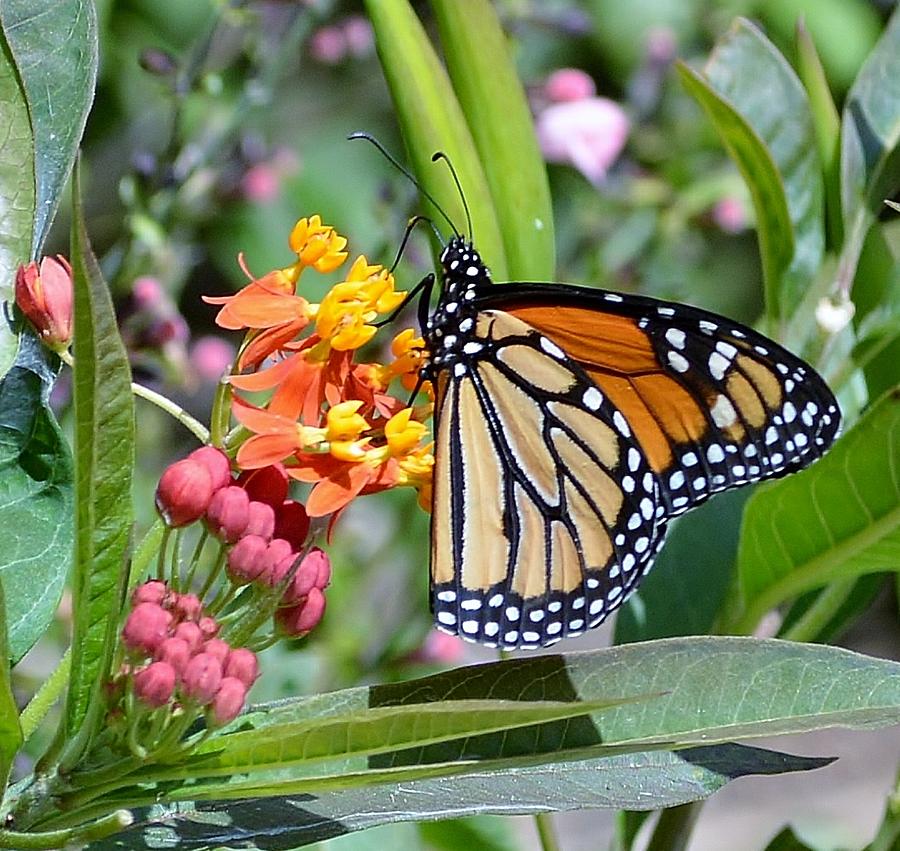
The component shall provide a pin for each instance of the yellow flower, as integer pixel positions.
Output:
(343, 427)
(345, 315)
(402, 433)
(409, 356)
(317, 245)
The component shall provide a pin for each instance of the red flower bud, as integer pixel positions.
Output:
(190, 633)
(261, 520)
(216, 461)
(187, 607)
(297, 621)
(45, 296)
(209, 627)
(175, 651)
(218, 648)
(201, 677)
(247, 559)
(146, 627)
(184, 492)
(305, 579)
(154, 684)
(242, 663)
(267, 484)
(153, 591)
(292, 523)
(228, 702)
(228, 513)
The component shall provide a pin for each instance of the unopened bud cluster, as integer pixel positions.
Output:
(175, 657)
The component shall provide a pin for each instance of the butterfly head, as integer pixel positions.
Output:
(462, 267)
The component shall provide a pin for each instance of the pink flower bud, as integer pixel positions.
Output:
(261, 520)
(190, 633)
(218, 648)
(729, 214)
(174, 651)
(440, 648)
(153, 591)
(146, 627)
(211, 357)
(154, 684)
(568, 84)
(45, 295)
(228, 513)
(216, 461)
(307, 577)
(246, 561)
(209, 627)
(242, 663)
(267, 484)
(147, 292)
(292, 523)
(184, 492)
(229, 701)
(277, 551)
(297, 621)
(186, 607)
(202, 677)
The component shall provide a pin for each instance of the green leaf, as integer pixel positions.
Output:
(486, 833)
(499, 118)
(55, 53)
(431, 120)
(10, 731)
(104, 458)
(36, 497)
(773, 223)
(838, 519)
(749, 72)
(16, 192)
(651, 780)
(870, 156)
(690, 577)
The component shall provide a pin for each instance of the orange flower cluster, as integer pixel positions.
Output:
(329, 419)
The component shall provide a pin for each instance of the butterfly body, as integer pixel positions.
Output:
(571, 424)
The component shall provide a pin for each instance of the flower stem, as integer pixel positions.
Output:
(47, 695)
(546, 834)
(176, 411)
(68, 837)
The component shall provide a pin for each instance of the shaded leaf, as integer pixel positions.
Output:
(499, 118)
(431, 120)
(16, 192)
(839, 518)
(104, 458)
(36, 497)
(486, 833)
(10, 731)
(651, 780)
(749, 72)
(55, 52)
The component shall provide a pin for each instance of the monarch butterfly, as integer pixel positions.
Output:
(571, 424)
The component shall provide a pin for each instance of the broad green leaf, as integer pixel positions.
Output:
(16, 191)
(748, 72)
(499, 120)
(870, 154)
(650, 780)
(104, 460)
(787, 840)
(10, 731)
(36, 497)
(375, 730)
(838, 519)
(431, 120)
(486, 833)
(773, 223)
(690, 577)
(55, 53)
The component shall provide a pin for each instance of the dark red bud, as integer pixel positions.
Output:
(184, 492)
(228, 513)
(146, 627)
(229, 701)
(304, 579)
(297, 621)
(216, 461)
(154, 684)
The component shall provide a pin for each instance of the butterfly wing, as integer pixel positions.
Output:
(713, 403)
(533, 537)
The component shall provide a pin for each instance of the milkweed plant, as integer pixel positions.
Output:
(147, 733)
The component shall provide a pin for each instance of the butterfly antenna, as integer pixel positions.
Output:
(440, 155)
(407, 233)
(409, 176)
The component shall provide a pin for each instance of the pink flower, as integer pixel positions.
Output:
(569, 84)
(588, 134)
(202, 677)
(261, 520)
(153, 591)
(146, 628)
(243, 665)
(228, 513)
(154, 684)
(440, 648)
(260, 183)
(45, 295)
(184, 492)
(246, 561)
(730, 215)
(216, 461)
(174, 651)
(211, 357)
(228, 702)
